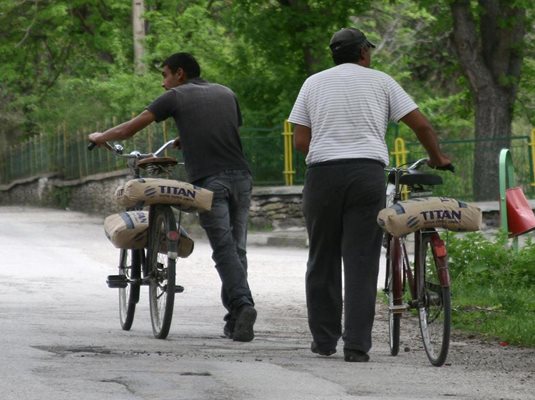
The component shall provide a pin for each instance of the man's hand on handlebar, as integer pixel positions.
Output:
(95, 139)
(442, 163)
(177, 144)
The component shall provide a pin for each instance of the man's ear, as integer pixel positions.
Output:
(182, 76)
(362, 52)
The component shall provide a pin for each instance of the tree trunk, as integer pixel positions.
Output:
(491, 60)
(493, 132)
(138, 28)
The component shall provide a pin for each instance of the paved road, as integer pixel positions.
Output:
(60, 337)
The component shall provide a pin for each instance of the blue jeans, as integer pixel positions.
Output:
(226, 227)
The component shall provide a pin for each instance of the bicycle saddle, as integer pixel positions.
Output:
(164, 161)
(417, 178)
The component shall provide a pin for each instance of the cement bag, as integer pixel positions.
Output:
(127, 230)
(121, 199)
(429, 212)
(146, 191)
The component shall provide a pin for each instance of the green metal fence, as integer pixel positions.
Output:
(459, 185)
(67, 156)
(264, 150)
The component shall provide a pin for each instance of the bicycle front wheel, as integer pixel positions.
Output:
(161, 269)
(130, 268)
(394, 289)
(434, 298)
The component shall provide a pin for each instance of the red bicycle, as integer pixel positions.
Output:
(423, 283)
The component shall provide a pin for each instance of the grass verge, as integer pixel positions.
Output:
(493, 288)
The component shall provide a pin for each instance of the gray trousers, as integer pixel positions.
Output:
(226, 227)
(341, 200)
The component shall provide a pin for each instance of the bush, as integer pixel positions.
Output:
(474, 259)
(492, 287)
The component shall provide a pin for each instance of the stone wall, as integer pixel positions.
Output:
(277, 207)
(271, 207)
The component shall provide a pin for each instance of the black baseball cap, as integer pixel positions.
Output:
(348, 36)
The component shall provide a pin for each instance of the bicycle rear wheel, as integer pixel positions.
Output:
(161, 269)
(434, 298)
(394, 288)
(130, 268)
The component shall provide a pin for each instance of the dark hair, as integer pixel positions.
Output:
(185, 61)
(348, 54)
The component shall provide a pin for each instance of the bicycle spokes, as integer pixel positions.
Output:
(434, 307)
(162, 270)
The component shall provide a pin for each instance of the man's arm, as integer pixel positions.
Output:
(123, 131)
(427, 137)
(302, 136)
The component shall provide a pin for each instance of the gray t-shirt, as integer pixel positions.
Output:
(207, 116)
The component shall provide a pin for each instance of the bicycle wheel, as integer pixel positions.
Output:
(161, 269)
(129, 267)
(434, 299)
(395, 292)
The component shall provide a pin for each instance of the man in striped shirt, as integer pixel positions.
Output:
(340, 117)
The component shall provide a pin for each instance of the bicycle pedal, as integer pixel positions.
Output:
(179, 289)
(117, 281)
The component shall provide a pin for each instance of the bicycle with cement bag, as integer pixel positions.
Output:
(150, 235)
(423, 283)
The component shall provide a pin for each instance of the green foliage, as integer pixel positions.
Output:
(44, 42)
(492, 287)
(283, 43)
(69, 63)
(476, 259)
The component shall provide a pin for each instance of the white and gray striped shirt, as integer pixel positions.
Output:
(348, 108)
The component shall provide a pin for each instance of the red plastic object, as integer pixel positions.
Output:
(520, 217)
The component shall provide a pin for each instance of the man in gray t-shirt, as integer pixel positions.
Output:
(208, 117)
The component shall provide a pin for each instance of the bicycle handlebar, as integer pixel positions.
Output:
(118, 150)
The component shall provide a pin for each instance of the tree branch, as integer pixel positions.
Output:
(28, 30)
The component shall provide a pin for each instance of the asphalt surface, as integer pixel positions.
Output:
(60, 336)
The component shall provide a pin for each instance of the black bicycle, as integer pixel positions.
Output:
(155, 267)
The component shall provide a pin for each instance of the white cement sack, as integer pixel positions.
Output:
(127, 230)
(121, 199)
(429, 212)
(147, 191)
